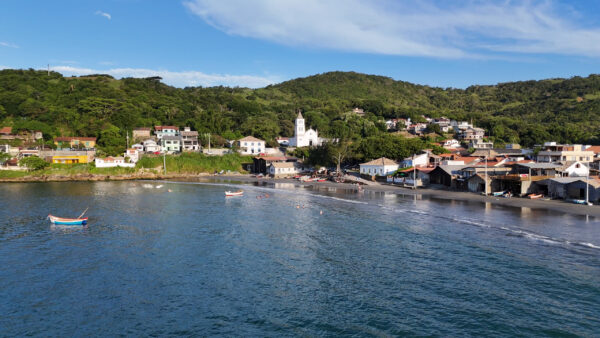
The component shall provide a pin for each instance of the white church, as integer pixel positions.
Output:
(303, 137)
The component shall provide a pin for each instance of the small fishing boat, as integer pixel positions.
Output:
(234, 193)
(67, 221)
(321, 180)
(498, 193)
(581, 202)
(535, 196)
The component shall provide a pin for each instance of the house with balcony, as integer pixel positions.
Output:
(190, 140)
(161, 131)
(562, 153)
(171, 144)
(471, 134)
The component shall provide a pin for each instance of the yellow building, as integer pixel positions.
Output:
(75, 142)
(69, 159)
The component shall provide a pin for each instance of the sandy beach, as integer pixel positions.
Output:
(516, 202)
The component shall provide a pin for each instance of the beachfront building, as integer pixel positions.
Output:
(446, 175)
(171, 144)
(162, 131)
(68, 157)
(304, 137)
(261, 164)
(562, 153)
(75, 143)
(284, 169)
(379, 167)
(111, 162)
(251, 145)
(572, 188)
(574, 169)
(190, 140)
(421, 160)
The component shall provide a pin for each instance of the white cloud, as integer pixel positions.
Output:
(416, 28)
(8, 44)
(178, 79)
(104, 14)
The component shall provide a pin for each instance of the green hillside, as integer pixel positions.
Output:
(564, 110)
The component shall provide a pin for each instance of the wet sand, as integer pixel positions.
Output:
(517, 202)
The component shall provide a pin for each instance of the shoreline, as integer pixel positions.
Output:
(515, 202)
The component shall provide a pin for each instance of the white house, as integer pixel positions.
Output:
(250, 145)
(302, 136)
(190, 139)
(452, 144)
(161, 131)
(138, 146)
(133, 154)
(421, 160)
(576, 169)
(283, 169)
(109, 162)
(380, 167)
(171, 144)
(150, 146)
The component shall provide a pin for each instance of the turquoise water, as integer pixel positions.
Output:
(301, 262)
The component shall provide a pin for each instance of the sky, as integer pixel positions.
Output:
(254, 43)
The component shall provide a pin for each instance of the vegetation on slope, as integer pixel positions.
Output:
(529, 112)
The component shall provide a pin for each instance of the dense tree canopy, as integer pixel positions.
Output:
(529, 112)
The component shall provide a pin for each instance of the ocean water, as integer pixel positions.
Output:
(302, 262)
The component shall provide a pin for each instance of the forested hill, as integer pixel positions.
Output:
(564, 110)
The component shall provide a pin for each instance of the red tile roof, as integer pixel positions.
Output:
(467, 159)
(272, 158)
(159, 128)
(6, 130)
(595, 149)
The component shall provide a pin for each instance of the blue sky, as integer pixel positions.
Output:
(257, 42)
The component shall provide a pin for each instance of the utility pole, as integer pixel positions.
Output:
(127, 133)
(587, 188)
(486, 177)
(414, 172)
(209, 143)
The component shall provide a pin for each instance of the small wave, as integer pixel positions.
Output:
(587, 245)
(466, 221)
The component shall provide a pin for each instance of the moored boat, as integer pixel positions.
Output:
(234, 193)
(498, 193)
(535, 196)
(67, 221)
(580, 202)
